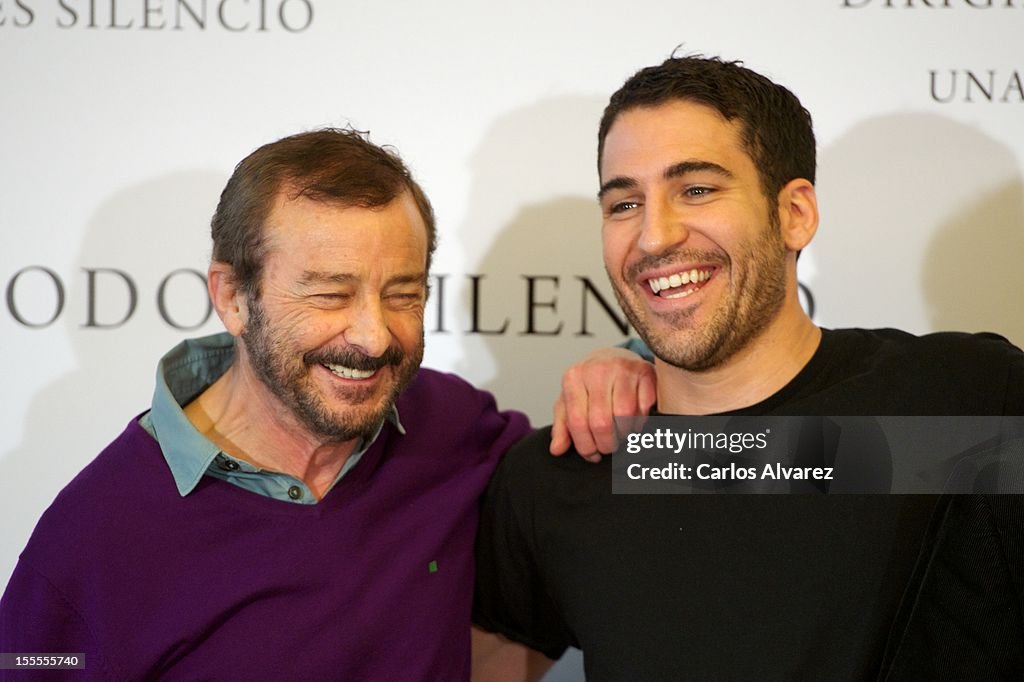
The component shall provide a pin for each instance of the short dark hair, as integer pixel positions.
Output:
(776, 128)
(331, 165)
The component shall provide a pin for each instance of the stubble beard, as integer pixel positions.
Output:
(759, 287)
(273, 360)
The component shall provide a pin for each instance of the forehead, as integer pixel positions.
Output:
(324, 232)
(648, 139)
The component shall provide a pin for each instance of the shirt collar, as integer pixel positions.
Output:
(182, 374)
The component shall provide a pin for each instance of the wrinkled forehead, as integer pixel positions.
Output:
(324, 229)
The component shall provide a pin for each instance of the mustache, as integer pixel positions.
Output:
(355, 359)
(680, 256)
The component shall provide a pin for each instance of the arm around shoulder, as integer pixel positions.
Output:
(511, 597)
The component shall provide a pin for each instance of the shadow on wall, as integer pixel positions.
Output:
(146, 232)
(973, 278)
(922, 228)
(533, 229)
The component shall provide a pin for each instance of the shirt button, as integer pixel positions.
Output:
(295, 492)
(229, 465)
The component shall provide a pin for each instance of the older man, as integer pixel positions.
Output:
(301, 500)
(706, 186)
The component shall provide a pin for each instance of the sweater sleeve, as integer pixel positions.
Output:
(36, 619)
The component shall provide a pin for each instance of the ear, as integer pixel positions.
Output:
(228, 300)
(798, 213)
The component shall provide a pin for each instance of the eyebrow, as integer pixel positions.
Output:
(618, 182)
(415, 278)
(673, 171)
(685, 167)
(317, 277)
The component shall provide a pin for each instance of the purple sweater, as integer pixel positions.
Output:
(373, 583)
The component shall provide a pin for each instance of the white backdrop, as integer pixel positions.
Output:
(122, 119)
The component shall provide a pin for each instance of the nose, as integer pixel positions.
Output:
(663, 227)
(367, 328)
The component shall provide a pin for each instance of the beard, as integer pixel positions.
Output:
(274, 360)
(757, 292)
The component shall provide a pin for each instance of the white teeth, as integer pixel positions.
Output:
(694, 276)
(350, 373)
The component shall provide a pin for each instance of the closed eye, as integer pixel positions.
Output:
(330, 300)
(404, 301)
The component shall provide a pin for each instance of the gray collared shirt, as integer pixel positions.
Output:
(185, 372)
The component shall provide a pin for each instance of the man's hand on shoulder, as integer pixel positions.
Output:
(609, 382)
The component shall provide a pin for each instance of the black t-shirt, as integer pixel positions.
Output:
(760, 587)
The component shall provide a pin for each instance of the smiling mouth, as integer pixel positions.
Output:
(680, 284)
(349, 372)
